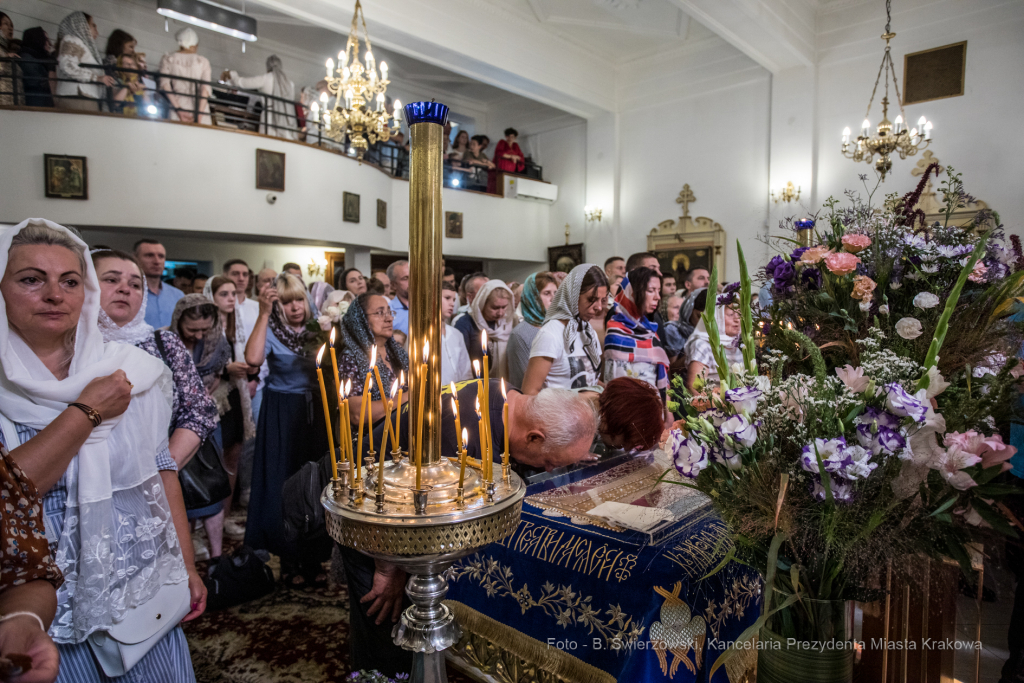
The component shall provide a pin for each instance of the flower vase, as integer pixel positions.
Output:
(809, 641)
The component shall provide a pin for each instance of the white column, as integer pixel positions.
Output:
(357, 257)
(602, 188)
(793, 141)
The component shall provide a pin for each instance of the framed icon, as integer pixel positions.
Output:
(453, 224)
(65, 177)
(382, 214)
(564, 258)
(269, 170)
(350, 207)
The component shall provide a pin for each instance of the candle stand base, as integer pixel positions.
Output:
(379, 500)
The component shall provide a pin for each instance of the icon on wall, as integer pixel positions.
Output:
(350, 207)
(269, 170)
(564, 258)
(65, 177)
(453, 224)
(382, 214)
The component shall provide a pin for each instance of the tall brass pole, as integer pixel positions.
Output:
(426, 127)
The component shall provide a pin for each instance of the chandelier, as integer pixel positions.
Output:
(890, 136)
(358, 90)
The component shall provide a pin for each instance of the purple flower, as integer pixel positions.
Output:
(889, 440)
(740, 430)
(773, 264)
(832, 451)
(859, 465)
(784, 276)
(690, 456)
(876, 417)
(797, 253)
(744, 399)
(811, 278)
(903, 404)
(729, 295)
(727, 457)
(841, 491)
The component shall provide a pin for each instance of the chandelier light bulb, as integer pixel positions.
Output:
(898, 124)
(920, 123)
(341, 56)
(323, 97)
(315, 107)
(345, 73)
(846, 135)
(380, 101)
(866, 128)
(384, 70)
(330, 66)
(913, 132)
(349, 95)
(928, 130)
(369, 60)
(398, 111)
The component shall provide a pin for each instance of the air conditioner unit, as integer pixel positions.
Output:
(528, 188)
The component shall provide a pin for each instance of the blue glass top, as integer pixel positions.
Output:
(426, 112)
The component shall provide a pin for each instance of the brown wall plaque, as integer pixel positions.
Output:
(934, 74)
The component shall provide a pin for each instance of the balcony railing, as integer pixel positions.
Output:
(230, 108)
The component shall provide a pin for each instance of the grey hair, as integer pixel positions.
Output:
(391, 268)
(40, 233)
(567, 416)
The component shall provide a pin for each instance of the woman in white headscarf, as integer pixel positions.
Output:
(566, 353)
(278, 116)
(492, 311)
(186, 63)
(87, 423)
(79, 87)
(700, 358)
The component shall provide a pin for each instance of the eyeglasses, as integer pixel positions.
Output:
(382, 313)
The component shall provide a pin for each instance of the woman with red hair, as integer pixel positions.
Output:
(632, 414)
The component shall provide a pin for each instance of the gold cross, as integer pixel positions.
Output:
(566, 233)
(685, 198)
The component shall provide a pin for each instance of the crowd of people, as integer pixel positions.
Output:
(91, 337)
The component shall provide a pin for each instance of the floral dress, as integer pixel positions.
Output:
(26, 553)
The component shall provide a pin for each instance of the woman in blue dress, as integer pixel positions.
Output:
(291, 427)
(86, 421)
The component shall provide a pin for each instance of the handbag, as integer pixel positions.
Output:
(125, 643)
(120, 647)
(204, 480)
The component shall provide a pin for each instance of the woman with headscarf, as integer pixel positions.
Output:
(631, 344)
(368, 324)
(699, 357)
(86, 422)
(290, 429)
(79, 87)
(566, 353)
(318, 292)
(278, 117)
(679, 330)
(538, 291)
(38, 67)
(491, 311)
(186, 63)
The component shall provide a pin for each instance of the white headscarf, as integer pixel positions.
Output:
(186, 38)
(699, 337)
(112, 560)
(497, 337)
(133, 332)
(283, 86)
(566, 306)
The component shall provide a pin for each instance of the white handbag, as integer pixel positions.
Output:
(121, 647)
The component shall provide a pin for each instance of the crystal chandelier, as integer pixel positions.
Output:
(890, 136)
(358, 110)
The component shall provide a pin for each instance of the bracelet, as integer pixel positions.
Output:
(25, 614)
(93, 414)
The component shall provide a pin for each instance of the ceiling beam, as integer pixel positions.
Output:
(777, 34)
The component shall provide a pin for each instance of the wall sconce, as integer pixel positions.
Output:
(786, 194)
(316, 267)
(592, 213)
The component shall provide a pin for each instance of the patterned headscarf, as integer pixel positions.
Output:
(533, 309)
(216, 352)
(357, 340)
(77, 26)
(282, 84)
(632, 337)
(566, 306)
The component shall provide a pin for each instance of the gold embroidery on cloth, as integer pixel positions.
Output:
(568, 550)
(734, 604)
(701, 551)
(616, 627)
(677, 632)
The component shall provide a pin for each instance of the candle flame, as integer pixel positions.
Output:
(483, 340)
(504, 394)
(320, 355)
(373, 357)
(348, 388)
(476, 368)
(394, 388)
(454, 393)
(465, 437)
(401, 377)
(426, 351)
(333, 330)
(478, 407)
(455, 407)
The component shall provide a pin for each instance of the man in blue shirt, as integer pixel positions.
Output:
(162, 296)
(398, 273)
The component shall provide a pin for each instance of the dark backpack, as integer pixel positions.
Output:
(237, 578)
(303, 514)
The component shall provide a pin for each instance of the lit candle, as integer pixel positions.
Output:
(363, 410)
(349, 96)
(330, 67)
(846, 135)
(898, 125)
(398, 111)
(397, 424)
(419, 416)
(486, 406)
(865, 128)
(384, 71)
(455, 411)
(327, 412)
(504, 422)
(463, 437)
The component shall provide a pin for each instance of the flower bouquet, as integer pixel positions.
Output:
(846, 442)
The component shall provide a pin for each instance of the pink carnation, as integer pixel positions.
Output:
(855, 243)
(842, 263)
(814, 254)
(990, 449)
(978, 274)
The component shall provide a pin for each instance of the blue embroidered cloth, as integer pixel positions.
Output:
(634, 608)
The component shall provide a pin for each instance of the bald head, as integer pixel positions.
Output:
(264, 278)
(552, 429)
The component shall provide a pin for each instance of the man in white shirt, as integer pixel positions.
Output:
(455, 363)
